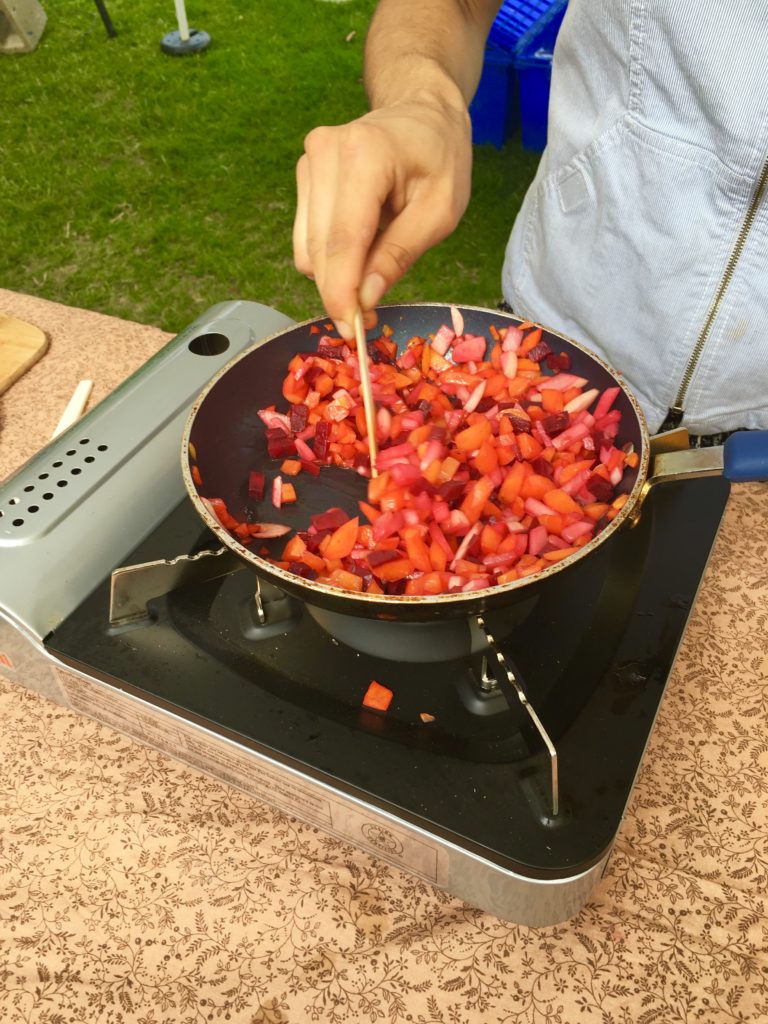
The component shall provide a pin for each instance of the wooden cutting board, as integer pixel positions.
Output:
(21, 345)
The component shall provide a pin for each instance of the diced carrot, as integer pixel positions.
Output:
(291, 467)
(487, 458)
(342, 540)
(561, 502)
(294, 549)
(471, 438)
(530, 341)
(529, 447)
(313, 561)
(507, 577)
(513, 482)
(478, 493)
(416, 549)
(437, 557)
(395, 570)
(558, 554)
(552, 400)
(370, 512)
(535, 486)
(346, 580)
(377, 697)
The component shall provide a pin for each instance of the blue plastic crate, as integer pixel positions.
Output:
(533, 67)
(494, 108)
(514, 87)
(514, 20)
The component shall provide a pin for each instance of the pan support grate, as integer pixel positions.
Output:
(506, 675)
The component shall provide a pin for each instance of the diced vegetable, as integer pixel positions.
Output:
(377, 697)
(495, 460)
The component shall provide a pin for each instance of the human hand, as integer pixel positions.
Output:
(373, 195)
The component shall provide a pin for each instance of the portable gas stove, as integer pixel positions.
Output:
(503, 768)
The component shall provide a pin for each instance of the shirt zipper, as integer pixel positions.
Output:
(677, 411)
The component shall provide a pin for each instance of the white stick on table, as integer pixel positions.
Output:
(75, 407)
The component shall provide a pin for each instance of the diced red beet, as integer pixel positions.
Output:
(310, 467)
(451, 490)
(521, 423)
(303, 570)
(376, 354)
(396, 588)
(485, 404)
(422, 486)
(599, 488)
(322, 439)
(375, 558)
(329, 352)
(558, 361)
(256, 484)
(280, 446)
(542, 467)
(555, 422)
(298, 417)
(330, 520)
(539, 352)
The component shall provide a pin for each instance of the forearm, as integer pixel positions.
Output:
(430, 49)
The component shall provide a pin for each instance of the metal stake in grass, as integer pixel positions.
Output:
(184, 40)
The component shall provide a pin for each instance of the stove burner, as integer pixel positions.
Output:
(423, 642)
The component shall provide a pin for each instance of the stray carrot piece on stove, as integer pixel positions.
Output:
(377, 697)
(426, 717)
(288, 494)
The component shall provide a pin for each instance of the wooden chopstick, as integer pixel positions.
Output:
(365, 387)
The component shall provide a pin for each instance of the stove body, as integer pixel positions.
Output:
(453, 784)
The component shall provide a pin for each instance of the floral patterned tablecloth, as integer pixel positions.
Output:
(135, 890)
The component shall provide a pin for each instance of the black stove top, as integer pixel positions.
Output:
(593, 650)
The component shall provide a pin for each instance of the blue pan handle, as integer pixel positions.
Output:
(745, 456)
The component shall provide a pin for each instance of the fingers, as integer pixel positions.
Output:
(372, 197)
(345, 190)
(300, 252)
(421, 224)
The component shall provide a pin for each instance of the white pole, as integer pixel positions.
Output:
(181, 17)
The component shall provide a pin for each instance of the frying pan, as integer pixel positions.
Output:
(228, 440)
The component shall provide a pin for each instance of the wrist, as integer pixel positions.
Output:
(420, 80)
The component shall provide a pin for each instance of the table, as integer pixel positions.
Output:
(134, 889)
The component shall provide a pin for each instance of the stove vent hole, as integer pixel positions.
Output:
(209, 344)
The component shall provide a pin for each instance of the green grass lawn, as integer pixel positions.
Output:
(151, 187)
